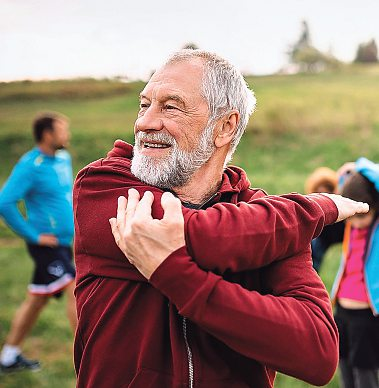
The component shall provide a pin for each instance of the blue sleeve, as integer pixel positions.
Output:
(15, 189)
(369, 170)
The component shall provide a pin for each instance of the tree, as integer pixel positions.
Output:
(308, 58)
(305, 37)
(190, 46)
(367, 52)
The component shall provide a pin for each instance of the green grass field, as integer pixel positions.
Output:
(301, 122)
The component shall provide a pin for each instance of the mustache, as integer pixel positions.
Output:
(155, 136)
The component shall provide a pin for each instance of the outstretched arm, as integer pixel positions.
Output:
(146, 241)
(253, 234)
(139, 235)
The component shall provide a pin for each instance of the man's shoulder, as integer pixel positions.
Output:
(251, 193)
(257, 192)
(119, 158)
(235, 180)
(95, 164)
(31, 159)
(107, 170)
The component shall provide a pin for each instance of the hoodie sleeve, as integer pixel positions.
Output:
(249, 235)
(288, 329)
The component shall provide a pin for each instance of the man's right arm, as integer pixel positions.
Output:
(288, 328)
(15, 188)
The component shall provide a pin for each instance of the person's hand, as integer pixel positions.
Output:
(346, 206)
(147, 242)
(47, 240)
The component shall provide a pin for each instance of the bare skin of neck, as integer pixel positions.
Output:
(205, 181)
(46, 148)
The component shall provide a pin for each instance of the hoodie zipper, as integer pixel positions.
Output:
(189, 354)
(184, 319)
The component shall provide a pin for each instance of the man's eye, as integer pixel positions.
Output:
(170, 107)
(143, 105)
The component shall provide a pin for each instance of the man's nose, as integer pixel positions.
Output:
(151, 120)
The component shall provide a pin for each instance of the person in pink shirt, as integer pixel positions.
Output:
(356, 289)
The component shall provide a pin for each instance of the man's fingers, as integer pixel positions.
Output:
(49, 240)
(347, 207)
(133, 200)
(115, 231)
(143, 208)
(172, 207)
(362, 207)
(121, 210)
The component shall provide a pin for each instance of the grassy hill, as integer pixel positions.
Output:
(301, 122)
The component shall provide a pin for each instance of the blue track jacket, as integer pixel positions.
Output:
(44, 183)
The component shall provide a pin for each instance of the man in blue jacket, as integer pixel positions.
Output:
(42, 179)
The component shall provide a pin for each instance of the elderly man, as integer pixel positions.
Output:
(223, 297)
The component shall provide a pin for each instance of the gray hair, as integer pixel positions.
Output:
(224, 88)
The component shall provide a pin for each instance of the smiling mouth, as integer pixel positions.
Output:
(147, 144)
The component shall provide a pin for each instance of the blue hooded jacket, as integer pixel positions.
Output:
(369, 170)
(44, 183)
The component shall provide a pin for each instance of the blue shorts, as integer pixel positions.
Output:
(53, 270)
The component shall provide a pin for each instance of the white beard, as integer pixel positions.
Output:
(178, 167)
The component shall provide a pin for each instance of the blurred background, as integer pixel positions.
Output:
(312, 65)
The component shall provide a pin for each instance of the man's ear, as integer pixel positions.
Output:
(226, 128)
(46, 136)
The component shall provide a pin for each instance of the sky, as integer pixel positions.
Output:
(51, 39)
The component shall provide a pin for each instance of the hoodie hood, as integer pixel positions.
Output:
(121, 149)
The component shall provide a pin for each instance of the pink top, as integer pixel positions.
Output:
(352, 285)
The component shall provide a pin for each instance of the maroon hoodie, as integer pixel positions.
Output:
(240, 301)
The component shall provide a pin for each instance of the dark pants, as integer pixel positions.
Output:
(352, 377)
(359, 348)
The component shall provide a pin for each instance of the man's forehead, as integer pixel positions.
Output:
(177, 79)
(60, 123)
(157, 92)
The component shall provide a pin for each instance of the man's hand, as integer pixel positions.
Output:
(147, 242)
(47, 240)
(347, 207)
